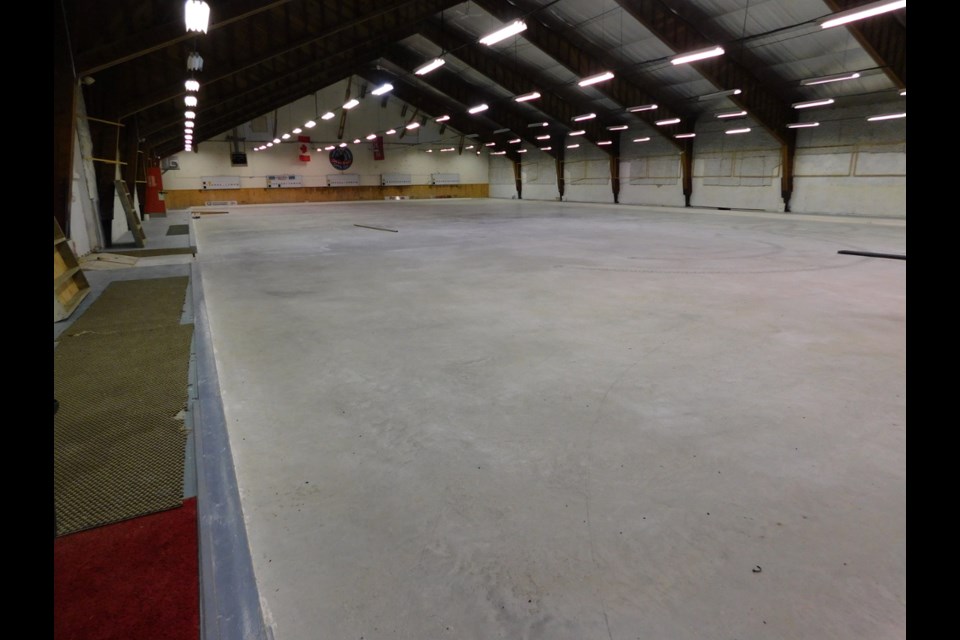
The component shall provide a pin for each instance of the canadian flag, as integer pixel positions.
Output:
(304, 148)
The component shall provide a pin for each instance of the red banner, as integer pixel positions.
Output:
(377, 148)
(304, 148)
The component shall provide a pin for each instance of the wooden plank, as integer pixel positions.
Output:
(189, 198)
(70, 286)
(133, 221)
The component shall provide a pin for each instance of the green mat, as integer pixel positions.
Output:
(120, 377)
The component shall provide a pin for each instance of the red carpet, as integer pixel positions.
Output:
(134, 580)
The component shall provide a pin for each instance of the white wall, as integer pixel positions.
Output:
(851, 166)
(401, 155)
(586, 174)
(846, 166)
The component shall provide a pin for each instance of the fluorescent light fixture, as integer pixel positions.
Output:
(812, 103)
(600, 77)
(888, 116)
(573, 146)
(545, 148)
(310, 124)
(194, 62)
(351, 103)
(356, 141)
(731, 132)
(413, 125)
(533, 95)
(641, 139)
(489, 144)
(269, 144)
(285, 136)
(511, 29)
(663, 123)
(685, 135)
(498, 153)
(436, 63)
(429, 150)
(719, 94)
(515, 141)
(730, 114)
(478, 108)
(196, 15)
(442, 119)
(328, 115)
(390, 132)
(343, 144)
(372, 136)
(585, 116)
(904, 92)
(447, 149)
(468, 148)
(190, 101)
(188, 124)
(276, 141)
(298, 130)
(701, 54)
(188, 136)
(618, 127)
(191, 85)
(578, 132)
(604, 143)
(190, 115)
(866, 11)
(544, 137)
(502, 131)
(802, 125)
(834, 78)
(386, 87)
(538, 124)
(521, 150)
(330, 147)
(643, 107)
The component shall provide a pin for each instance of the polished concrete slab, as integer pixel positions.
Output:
(513, 419)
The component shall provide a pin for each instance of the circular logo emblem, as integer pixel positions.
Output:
(341, 158)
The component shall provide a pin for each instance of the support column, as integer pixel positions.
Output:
(517, 176)
(788, 152)
(686, 168)
(615, 169)
(560, 181)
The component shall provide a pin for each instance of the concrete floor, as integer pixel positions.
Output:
(549, 420)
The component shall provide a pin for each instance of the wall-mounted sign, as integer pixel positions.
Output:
(377, 148)
(278, 182)
(341, 158)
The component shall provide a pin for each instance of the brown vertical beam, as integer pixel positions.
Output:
(517, 176)
(686, 167)
(788, 152)
(615, 168)
(560, 182)
(64, 120)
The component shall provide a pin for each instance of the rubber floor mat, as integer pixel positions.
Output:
(119, 437)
